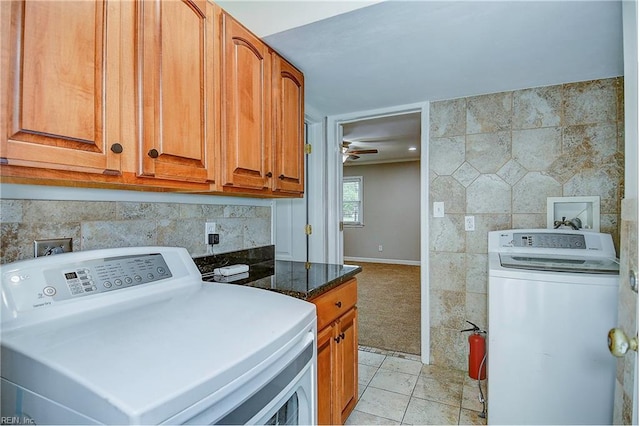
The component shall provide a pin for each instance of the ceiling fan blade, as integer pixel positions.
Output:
(363, 151)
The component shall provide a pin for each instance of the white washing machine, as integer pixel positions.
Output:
(133, 336)
(552, 299)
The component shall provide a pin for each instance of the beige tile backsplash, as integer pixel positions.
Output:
(107, 224)
(498, 157)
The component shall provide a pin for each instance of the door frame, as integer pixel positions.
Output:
(335, 248)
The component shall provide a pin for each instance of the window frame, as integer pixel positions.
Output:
(360, 181)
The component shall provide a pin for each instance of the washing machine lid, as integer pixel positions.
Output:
(559, 263)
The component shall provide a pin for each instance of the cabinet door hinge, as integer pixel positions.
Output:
(307, 229)
(341, 226)
(307, 148)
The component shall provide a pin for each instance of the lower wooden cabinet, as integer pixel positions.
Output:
(337, 353)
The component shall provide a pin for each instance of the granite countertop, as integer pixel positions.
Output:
(298, 279)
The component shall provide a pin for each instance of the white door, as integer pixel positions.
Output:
(292, 215)
(626, 395)
(291, 218)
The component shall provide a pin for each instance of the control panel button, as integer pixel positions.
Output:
(107, 284)
(49, 291)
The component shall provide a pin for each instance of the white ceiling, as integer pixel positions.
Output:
(392, 136)
(266, 17)
(401, 52)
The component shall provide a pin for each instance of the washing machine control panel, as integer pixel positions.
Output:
(550, 240)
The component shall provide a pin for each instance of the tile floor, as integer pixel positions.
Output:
(396, 388)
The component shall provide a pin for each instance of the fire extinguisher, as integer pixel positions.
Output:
(477, 353)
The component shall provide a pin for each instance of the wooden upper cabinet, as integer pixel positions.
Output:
(288, 106)
(60, 85)
(175, 77)
(246, 123)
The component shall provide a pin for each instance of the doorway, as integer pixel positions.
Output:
(381, 216)
(337, 126)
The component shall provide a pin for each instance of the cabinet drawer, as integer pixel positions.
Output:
(335, 302)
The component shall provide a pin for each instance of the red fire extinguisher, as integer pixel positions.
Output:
(477, 353)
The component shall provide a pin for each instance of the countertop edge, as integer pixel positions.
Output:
(331, 284)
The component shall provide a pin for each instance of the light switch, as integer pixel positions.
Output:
(438, 209)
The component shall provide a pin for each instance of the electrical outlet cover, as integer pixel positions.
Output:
(52, 246)
(469, 223)
(209, 228)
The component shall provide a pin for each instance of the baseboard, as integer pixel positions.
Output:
(376, 260)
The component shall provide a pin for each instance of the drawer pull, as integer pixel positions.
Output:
(153, 153)
(342, 336)
(117, 148)
(337, 339)
(269, 174)
(339, 304)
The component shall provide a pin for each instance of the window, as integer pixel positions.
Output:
(352, 201)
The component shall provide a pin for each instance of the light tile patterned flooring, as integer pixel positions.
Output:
(396, 388)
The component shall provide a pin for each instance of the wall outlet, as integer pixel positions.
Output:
(209, 228)
(53, 246)
(380, 247)
(469, 223)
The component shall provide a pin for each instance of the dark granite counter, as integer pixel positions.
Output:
(298, 279)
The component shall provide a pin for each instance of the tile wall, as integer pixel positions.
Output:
(107, 224)
(498, 157)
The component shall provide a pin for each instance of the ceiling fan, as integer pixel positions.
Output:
(354, 154)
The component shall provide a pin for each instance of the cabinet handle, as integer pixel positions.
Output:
(269, 174)
(337, 339)
(342, 336)
(281, 177)
(153, 153)
(339, 304)
(117, 148)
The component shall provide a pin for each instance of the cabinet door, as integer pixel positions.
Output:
(175, 78)
(246, 138)
(60, 85)
(288, 104)
(326, 355)
(347, 387)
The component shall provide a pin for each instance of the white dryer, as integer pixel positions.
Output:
(133, 336)
(552, 298)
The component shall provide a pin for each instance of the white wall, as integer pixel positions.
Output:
(391, 214)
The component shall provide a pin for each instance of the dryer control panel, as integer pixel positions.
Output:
(72, 280)
(88, 280)
(103, 275)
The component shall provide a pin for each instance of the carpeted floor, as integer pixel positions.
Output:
(389, 307)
